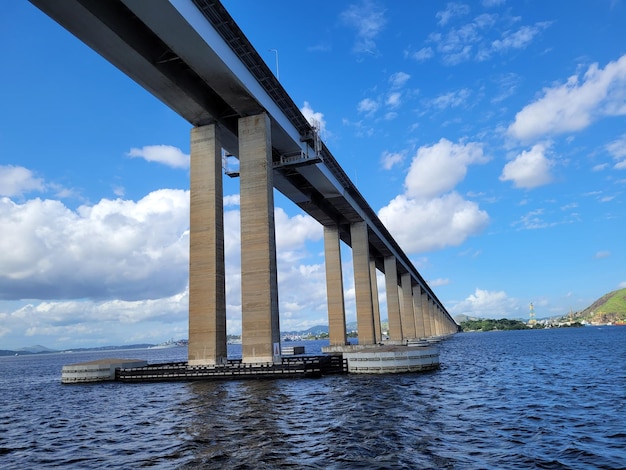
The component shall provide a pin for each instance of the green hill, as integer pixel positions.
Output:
(609, 308)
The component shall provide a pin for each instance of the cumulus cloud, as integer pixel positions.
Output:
(165, 154)
(487, 304)
(121, 262)
(17, 181)
(574, 105)
(529, 169)
(424, 225)
(438, 168)
(430, 215)
(113, 249)
(293, 232)
(368, 19)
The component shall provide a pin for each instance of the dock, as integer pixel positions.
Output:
(289, 367)
(375, 359)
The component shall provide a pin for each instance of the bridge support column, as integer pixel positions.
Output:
(417, 312)
(393, 301)
(408, 317)
(431, 317)
(362, 283)
(375, 302)
(259, 288)
(426, 313)
(207, 291)
(438, 321)
(334, 287)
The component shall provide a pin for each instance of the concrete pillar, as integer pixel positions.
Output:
(375, 302)
(334, 287)
(259, 289)
(408, 317)
(417, 311)
(207, 291)
(438, 321)
(431, 317)
(393, 301)
(362, 283)
(426, 313)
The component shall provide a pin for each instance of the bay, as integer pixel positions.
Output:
(518, 399)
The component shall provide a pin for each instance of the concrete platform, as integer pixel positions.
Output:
(97, 371)
(134, 370)
(390, 359)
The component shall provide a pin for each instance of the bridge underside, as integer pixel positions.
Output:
(192, 56)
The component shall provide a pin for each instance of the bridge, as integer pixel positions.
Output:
(192, 56)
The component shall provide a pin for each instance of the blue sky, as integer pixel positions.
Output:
(489, 136)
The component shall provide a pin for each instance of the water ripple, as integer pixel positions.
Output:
(507, 400)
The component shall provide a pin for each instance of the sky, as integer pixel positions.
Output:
(489, 136)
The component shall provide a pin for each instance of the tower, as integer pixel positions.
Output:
(531, 315)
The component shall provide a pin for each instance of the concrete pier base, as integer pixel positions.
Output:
(392, 359)
(97, 371)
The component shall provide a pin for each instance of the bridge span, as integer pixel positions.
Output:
(193, 57)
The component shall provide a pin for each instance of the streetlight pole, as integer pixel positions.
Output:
(275, 51)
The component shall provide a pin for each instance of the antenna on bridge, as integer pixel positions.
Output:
(275, 51)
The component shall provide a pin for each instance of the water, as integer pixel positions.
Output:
(553, 399)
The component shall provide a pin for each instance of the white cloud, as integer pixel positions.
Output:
(574, 105)
(487, 304)
(439, 282)
(368, 19)
(126, 263)
(437, 169)
(367, 106)
(451, 99)
(529, 169)
(389, 160)
(424, 53)
(316, 119)
(113, 249)
(602, 254)
(617, 149)
(518, 39)
(399, 79)
(421, 225)
(293, 232)
(165, 154)
(394, 100)
(429, 215)
(453, 10)
(17, 180)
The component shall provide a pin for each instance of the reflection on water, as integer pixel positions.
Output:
(526, 399)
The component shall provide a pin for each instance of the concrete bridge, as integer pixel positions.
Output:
(193, 57)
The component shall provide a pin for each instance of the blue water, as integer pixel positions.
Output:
(552, 399)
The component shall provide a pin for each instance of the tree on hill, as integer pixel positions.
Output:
(609, 308)
(492, 325)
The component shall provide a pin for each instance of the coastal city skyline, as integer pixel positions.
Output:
(488, 136)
